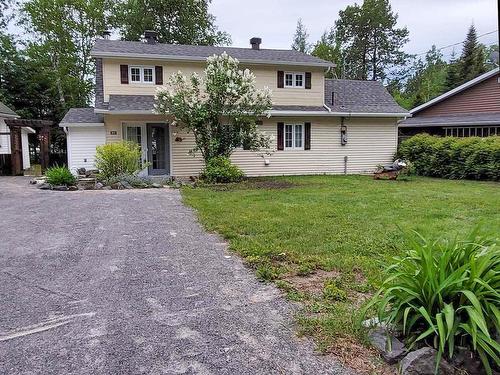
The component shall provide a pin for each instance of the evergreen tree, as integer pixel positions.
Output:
(472, 60)
(452, 73)
(300, 38)
(370, 40)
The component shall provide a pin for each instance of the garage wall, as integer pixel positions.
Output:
(82, 142)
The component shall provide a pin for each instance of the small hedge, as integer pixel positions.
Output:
(454, 158)
(115, 159)
(220, 170)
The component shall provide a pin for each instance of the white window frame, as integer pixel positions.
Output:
(141, 70)
(303, 126)
(294, 80)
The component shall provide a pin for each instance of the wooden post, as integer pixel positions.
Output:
(16, 150)
(44, 138)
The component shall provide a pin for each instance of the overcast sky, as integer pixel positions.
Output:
(439, 22)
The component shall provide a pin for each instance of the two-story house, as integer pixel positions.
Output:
(319, 125)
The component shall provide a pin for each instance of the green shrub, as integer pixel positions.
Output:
(60, 176)
(445, 294)
(115, 159)
(454, 158)
(221, 170)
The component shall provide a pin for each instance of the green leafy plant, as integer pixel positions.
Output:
(455, 158)
(59, 176)
(115, 159)
(220, 170)
(445, 293)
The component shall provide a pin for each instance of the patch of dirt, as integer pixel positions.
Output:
(268, 184)
(313, 283)
(360, 358)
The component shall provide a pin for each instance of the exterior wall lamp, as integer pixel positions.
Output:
(343, 132)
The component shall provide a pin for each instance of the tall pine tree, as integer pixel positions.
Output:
(472, 60)
(300, 38)
(370, 40)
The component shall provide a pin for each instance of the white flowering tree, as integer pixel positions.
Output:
(221, 108)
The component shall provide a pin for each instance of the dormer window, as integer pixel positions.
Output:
(142, 74)
(294, 80)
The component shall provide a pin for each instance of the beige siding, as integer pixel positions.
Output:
(265, 76)
(370, 142)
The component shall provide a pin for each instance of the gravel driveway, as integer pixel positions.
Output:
(127, 282)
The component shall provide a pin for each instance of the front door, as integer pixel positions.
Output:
(136, 132)
(158, 149)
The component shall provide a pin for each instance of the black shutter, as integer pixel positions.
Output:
(308, 80)
(281, 79)
(307, 136)
(124, 73)
(159, 75)
(281, 136)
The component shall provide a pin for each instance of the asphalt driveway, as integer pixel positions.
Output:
(127, 282)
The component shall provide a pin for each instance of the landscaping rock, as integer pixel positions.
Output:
(72, 188)
(45, 186)
(423, 362)
(81, 171)
(126, 185)
(155, 185)
(466, 360)
(60, 188)
(379, 339)
(117, 186)
(99, 186)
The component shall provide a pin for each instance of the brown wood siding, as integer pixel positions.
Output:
(483, 97)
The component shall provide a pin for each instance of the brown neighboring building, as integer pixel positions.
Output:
(472, 109)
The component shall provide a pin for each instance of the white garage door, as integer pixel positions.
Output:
(82, 142)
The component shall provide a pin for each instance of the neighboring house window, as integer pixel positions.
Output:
(142, 74)
(477, 131)
(294, 136)
(295, 80)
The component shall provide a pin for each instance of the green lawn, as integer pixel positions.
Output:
(289, 227)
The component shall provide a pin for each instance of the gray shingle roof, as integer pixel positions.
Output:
(360, 96)
(105, 47)
(6, 110)
(492, 118)
(82, 116)
(131, 102)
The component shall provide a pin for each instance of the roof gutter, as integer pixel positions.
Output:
(8, 115)
(148, 56)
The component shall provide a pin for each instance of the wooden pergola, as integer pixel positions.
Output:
(16, 149)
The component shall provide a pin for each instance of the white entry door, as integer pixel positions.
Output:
(136, 132)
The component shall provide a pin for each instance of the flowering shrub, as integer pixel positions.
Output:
(220, 109)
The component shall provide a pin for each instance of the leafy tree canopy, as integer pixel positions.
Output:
(175, 21)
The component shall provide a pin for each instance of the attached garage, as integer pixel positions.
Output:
(85, 131)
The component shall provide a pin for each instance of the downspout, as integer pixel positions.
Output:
(342, 119)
